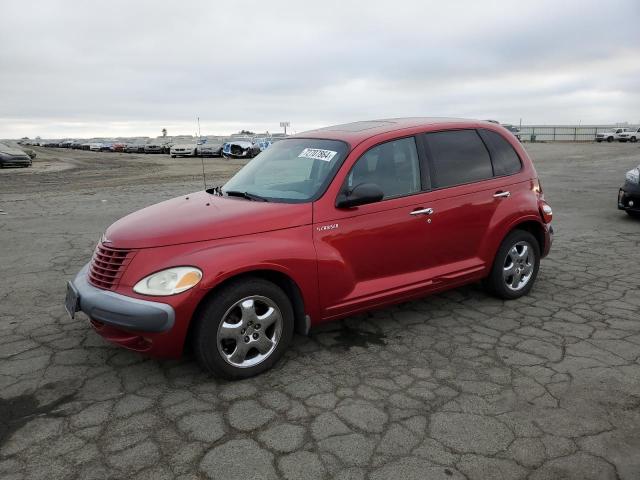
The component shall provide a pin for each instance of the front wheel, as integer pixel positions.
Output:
(634, 139)
(515, 266)
(633, 214)
(609, 139)
(243, 329)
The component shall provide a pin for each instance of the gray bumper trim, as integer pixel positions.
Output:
(121, 311)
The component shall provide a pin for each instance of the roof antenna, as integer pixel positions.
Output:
(204, 178)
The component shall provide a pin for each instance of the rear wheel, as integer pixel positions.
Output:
(243, 329)
(515, 266)
(609, 139)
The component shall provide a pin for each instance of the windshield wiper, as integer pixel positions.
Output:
(247, 195)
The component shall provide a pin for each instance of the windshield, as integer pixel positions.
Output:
(293, 170)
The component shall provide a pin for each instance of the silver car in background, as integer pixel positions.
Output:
(209, 150)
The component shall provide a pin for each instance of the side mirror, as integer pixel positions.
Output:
(360, 195)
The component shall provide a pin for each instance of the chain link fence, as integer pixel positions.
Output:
(563, 133)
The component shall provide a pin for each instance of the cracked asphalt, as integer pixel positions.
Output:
(457, 385)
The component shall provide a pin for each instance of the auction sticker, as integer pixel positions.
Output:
(317, 154)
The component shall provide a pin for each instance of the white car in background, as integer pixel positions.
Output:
(632, 135)
(95, 147)
(183, 150)
(610, 135)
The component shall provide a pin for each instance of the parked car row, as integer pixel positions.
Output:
(195, 150)
(619, 134)
(234, 148)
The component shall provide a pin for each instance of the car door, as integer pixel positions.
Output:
(371, 252)
(471, 190)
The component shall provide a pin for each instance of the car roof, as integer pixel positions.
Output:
(356, 132)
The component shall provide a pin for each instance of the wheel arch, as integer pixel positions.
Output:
(529, 224)
(535, 228)
(282, 280)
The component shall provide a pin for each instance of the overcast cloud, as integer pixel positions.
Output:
(108, 68)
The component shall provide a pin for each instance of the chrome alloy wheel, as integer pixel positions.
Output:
(518, 266)
(249, 331)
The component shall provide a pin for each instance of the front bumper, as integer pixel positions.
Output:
(629, 197)
(15, 160)
(119, 311)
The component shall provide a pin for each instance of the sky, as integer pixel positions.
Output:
(89, 68)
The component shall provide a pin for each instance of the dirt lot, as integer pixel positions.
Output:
(459, 385)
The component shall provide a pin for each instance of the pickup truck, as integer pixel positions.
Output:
(631, 135)
(610, 135)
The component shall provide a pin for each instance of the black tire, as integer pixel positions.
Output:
(173, 156)
(599, 141)
(212, 313)
(633, 214)
(634, 139)
(496, 283)
(609, 139)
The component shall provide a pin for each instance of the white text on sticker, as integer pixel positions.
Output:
(317, 154)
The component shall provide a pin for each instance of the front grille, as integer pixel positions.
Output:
(107, 266)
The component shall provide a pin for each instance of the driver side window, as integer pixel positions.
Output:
(392, 166)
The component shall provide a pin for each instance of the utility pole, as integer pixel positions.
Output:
(285, 125)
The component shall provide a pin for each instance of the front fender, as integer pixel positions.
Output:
(287, 251)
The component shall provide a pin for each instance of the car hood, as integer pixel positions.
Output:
(241, 144)
(201, 216)
(7, 150)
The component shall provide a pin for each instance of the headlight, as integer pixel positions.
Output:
(169, 282)
(633, 176)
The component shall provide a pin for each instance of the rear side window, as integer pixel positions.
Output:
(457, 157)
(505, 159)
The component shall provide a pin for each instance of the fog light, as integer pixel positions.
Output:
(631, 203)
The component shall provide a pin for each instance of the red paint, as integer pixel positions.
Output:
(377, 255)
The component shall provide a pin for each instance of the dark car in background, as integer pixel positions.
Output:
(209, 150)
(134, 148)
(154, 147)
(629, 194)
(11, 156)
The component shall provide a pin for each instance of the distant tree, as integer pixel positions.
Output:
(164, 132)
(246, 132)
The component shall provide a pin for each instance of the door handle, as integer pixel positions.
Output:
(502, 194)
(422, 211)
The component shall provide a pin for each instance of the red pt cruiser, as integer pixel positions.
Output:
(319, 226)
